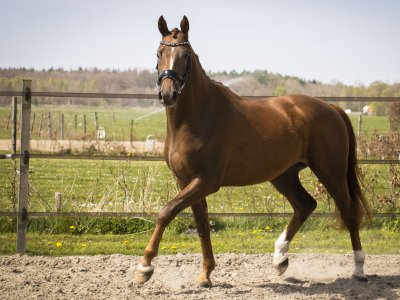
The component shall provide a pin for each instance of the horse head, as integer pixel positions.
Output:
(174, 60)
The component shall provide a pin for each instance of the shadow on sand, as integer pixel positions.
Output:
(376, 287)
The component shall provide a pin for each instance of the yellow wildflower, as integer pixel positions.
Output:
(59, 244)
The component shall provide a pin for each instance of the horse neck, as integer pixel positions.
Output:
(193, 102)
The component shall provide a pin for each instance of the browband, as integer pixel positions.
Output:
(174, 44)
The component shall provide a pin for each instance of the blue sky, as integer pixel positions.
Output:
(355, 42)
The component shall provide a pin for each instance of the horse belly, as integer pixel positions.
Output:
(258, 164)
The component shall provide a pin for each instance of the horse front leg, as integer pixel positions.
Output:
(195, 191)
(200, 213)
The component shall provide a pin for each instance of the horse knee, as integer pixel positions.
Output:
(165, 216)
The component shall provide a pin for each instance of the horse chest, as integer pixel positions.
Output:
(184, 157)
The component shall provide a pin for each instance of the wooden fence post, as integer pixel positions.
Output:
(76, 122)
(40, 125)
(33, 122)
(96, 121)
(23, 194)
(19, 120)
(131, 131)
(58, 197)
(50, 134)
(84, 124)
(359, 125)
(14, 125)
(62, 126)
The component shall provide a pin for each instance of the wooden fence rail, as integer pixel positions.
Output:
(153, 158)
(24, 156)
(155, 96)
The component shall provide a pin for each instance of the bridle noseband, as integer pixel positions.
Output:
(171, 73)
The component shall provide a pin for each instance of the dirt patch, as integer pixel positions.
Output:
(88, 147)
(237, 276)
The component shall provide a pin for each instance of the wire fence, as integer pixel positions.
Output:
(24, 157)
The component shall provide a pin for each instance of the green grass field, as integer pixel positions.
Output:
(92, 185)
(251, 240)
(117, 122)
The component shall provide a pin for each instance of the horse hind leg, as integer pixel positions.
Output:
(337, 186)
(350, 220)
(200, 213)
(289, 185)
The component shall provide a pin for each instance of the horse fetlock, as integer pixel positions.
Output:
(208, 267)
(359, 259)
(281, 260)
(149, 253)
(143, 273)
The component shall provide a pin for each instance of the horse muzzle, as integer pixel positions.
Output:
(168, 96)
(168, 93)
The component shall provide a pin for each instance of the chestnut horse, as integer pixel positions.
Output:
(216, 138)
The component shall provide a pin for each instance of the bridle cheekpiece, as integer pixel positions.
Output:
(176, 77)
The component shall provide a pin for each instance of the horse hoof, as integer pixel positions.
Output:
(281, 267)
(143, 274)
(204, 282)
(360, 278)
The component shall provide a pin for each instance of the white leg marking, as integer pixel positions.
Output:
(359, 259)
(281, 249)
(144, 269)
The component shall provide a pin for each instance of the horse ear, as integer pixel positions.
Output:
(185, 25)
(162, 26)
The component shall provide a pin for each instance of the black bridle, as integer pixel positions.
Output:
(176, 77)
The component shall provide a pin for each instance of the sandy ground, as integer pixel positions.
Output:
(237, 276)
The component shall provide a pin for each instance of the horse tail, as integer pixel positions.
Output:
(359, 204)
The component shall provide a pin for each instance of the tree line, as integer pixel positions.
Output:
(251, 83)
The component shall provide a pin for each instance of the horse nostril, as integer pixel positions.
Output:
(174, 94)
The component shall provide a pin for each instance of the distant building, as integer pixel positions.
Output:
(367, 110)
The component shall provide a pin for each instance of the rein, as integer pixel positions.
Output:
(176, 77)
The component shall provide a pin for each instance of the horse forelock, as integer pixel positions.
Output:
(175, 32)
(176, 36)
